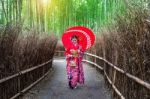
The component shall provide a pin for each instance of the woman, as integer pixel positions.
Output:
(74, 55)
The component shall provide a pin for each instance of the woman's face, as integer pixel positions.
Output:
(74, 41)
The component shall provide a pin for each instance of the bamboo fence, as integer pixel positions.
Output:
(116, 68)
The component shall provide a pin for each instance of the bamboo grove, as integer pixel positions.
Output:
(122, 34)
(57, 15)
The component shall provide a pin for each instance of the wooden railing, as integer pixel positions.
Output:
(132, 77)
(37, 73)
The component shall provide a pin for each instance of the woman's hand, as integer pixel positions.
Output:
(74, 52)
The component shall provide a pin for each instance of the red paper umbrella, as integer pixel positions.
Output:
(85, 36)
(87, 30)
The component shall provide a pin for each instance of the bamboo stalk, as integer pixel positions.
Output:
(116, 59)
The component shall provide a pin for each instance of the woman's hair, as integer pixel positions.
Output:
(74, 36)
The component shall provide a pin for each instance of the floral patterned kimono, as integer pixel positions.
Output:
(74, 65)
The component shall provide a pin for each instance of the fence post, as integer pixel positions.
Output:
(104, 56)
(18, 79)
(95, 57)
(114, 76)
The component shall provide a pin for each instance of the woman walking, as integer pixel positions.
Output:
(74, 55)
(76, 41)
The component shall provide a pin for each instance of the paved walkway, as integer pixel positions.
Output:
(54, 86)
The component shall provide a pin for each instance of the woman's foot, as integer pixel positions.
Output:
(71, 87)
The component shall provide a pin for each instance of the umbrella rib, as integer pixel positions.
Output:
(87, 36)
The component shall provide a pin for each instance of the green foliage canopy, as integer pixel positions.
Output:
(57, 15)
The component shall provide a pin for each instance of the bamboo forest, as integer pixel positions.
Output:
(108, 41)
(56, 15)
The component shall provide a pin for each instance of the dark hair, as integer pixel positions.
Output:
(74, 36)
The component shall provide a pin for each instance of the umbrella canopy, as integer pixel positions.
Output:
(85, 36)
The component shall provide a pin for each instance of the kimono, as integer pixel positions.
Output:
(74, 66)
